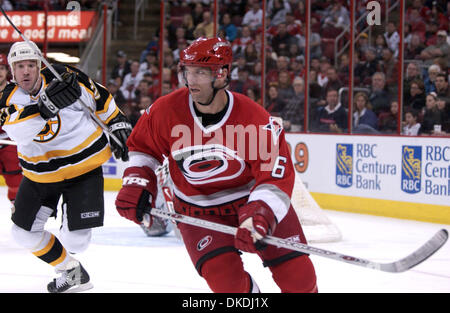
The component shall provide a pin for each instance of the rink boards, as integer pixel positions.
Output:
(404, 177)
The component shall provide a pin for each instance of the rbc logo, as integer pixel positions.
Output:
(411, 168)
(344, 165)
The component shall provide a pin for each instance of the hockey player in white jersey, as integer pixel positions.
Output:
(61, 152)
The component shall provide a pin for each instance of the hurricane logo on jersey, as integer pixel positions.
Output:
(344, 165)
(208, 164)
(50, 130)
(411, 168)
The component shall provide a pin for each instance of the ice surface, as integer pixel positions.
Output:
(121, 258)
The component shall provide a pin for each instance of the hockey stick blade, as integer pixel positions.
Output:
(418, 256)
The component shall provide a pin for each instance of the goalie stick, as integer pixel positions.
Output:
(404, 264)
(58, 77)
(401, 265)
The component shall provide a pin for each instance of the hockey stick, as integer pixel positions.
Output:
(58, 77)
(404, 264)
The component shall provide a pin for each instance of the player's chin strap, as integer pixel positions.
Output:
(215, 91)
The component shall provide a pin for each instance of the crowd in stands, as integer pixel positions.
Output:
(32, 5)
(375, 108)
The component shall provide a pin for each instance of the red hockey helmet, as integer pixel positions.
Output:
(214, 53)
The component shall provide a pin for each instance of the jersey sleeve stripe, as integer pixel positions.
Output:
(63, 153)
(278, 200)
(55, 164)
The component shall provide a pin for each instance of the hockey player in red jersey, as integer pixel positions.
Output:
(9, 162)
(229, 163)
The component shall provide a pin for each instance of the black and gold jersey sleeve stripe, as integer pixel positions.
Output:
(57, 163)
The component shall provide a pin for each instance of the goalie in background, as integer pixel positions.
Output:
(61, 151)
(9, 163)
(215, 180)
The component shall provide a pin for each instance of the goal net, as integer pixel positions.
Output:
(315, 223)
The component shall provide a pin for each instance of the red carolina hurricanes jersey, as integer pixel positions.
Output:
(243, 155)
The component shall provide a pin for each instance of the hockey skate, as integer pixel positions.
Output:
(75, 279)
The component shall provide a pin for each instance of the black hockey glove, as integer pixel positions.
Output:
(59, 95)
(121, 128)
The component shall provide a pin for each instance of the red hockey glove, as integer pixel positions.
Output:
(256, 220)
(137, 194)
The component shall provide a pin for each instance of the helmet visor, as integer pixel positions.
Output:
(200, 74)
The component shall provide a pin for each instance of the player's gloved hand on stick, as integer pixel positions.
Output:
(58, 95)
(121, 129)
(137, 194)
(256, 220)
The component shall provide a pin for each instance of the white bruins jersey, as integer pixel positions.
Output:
(67, 145)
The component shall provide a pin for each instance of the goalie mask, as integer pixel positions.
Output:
(21, 51)
(206, 57)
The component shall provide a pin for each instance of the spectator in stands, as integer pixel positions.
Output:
(315, 44)
(315, 90)
(440, 50)
(253, 17)
(122, 67)
(250, 53)
(114, 89)
(131, 81)
(368, 67)
(142, 90)
(380, 44)
(322, 77)
(255, 71)
(410, 125)
(413, 72)
(293, 113)
(392, 37)
(379, 96)
(282, 40)
(296, 66)
(274, 104)
(389, 66)
(429, 80)
(362, 44)
(333, 116)
(333, 81)
(277, 10)
(197, 13)
(414, 48)
(282, 64)
(228, 27)
(144, 103)
(253, 93)
(444, 108)
(364, 120)
(181, 45)
(285, 89)
(188, 24)
(238, 45)
(431, 115)
(207, 24)
(243, 83)
(416, 21)
(336, 15)
(442, 87)
(416, 100)
(387, 121)
(6, 5)
(150, 58)
(239, 64)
